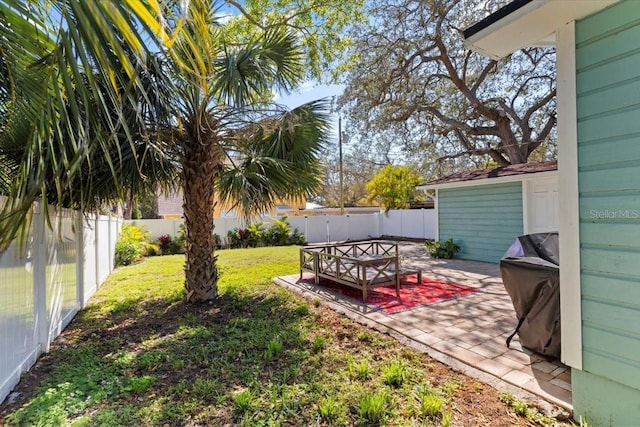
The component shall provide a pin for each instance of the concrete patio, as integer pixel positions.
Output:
(467, 333)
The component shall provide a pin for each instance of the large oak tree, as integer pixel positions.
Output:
(415, 82)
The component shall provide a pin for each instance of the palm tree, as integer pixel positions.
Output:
(227, 134)
(202, 100)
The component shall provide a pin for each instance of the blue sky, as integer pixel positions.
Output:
(309, 91)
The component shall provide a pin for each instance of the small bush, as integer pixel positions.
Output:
(237, 238)
(255, 234)
(278, 233)
(133, 244)
(164, 242)
(126, 253)
(445, 250)
(297, 238)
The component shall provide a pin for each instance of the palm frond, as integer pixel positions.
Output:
(278, 160)
(247, 72)
(65, 63)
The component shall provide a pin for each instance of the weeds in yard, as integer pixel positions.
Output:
(242, 401)
(139, 384)
(446, 419)
(430, 401)
(374, 407)
(361, 370)
(393, 374)
(273, 349)
(319, 343)
(302, 310)
(330, 411)
(431, 406)
(450, 387)
(522, 409)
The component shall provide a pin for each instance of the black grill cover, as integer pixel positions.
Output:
(530, 273)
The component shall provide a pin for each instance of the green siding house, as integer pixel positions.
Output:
(484, 210)
(598, 83)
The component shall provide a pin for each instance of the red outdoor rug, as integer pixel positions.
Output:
(412, 295)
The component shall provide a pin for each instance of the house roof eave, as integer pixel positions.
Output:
(489, 180)
(523, 23)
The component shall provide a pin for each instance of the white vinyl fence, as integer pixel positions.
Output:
(45, 280)
(410, 223)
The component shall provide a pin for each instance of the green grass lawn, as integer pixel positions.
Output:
(258, 356)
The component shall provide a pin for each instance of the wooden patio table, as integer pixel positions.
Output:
(361, 265)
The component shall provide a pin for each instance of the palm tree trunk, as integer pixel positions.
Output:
(199, 166)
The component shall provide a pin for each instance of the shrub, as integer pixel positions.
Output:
(237, 238)
(278, 233)
(164, 242)
(255, 234)
(442, 250)
(133, 244)
(296, 238)
(126, 253)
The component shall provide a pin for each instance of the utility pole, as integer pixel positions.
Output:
(340, 151)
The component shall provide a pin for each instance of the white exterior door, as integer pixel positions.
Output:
(541, 209)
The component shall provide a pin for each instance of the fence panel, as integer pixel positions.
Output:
(412, 223)
(363, 226)
(158, 227)
(44, 280)
(391, 223)
(323, 228)
(18, 321)
(61, 273)
(89, 250)
(316, 229)
(103, 258)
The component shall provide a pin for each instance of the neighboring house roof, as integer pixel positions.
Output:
(504, 173)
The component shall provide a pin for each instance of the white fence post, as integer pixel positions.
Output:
(80, 254)
(39, 257)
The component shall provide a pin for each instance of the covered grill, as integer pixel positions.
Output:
(530, 272)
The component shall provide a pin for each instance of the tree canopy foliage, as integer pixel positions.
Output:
(415, 85)
(104, 98)
(394, 187)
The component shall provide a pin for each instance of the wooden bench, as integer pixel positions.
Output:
(360, 265)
